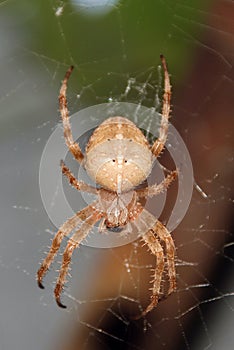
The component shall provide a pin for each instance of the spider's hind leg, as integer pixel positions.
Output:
(63, 231)
(156, 249)
(152, 238)
(166, 237)
(72, 244)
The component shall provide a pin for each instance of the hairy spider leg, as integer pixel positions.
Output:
(156, 249)
(160, 142)
(166, 237)
(72, 244)
(73, 146)
(79, 185)
(157, 189)
(63, 231)
(152, 238)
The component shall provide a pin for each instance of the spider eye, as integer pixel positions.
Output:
(125, 161)
(113, 160)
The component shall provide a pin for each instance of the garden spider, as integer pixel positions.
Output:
(118, 158)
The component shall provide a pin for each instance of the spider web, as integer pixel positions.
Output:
(116, 56)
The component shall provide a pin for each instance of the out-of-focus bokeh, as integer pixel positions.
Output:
(115, 48)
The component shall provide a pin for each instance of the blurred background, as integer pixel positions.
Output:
(115, 47)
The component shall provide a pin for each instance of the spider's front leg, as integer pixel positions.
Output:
(160, 142)
(71, 144)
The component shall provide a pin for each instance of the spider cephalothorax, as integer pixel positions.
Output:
(118, 158)
(119, 207)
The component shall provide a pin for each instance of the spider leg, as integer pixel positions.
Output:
(166, 237)
(73, 146)
(156, 189)
(79, 185)
(72, 244)
(63, 231)
(156, 249)
(160, 142)
(151, 238)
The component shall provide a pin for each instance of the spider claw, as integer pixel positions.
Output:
(57, 292)
(40, 274)
(136, 317)
(154, 301)
(58, 301)
(162, 58)
(68, 73)
(40, 285)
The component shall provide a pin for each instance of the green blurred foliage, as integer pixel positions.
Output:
(128, 38)
(109, 49)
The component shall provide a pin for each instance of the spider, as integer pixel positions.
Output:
(118, 158)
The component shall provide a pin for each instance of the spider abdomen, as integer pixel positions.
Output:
(118, 156)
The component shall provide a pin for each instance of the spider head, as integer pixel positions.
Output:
(118, 156)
